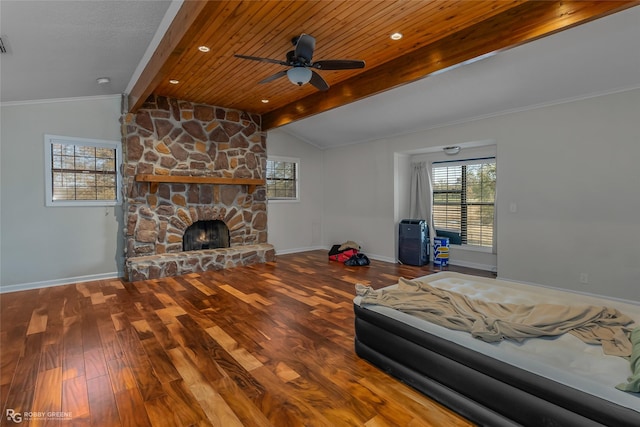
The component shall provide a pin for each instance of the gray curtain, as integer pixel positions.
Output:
(421, 197)
(420, 191)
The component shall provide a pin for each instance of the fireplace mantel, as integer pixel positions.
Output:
(251, 183)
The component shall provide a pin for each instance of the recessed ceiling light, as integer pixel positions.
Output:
(204, 49)
(265, 101)
(396, 36)
(174, 81)
(103, 80)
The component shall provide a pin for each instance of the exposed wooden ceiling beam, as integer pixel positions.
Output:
(516, 25)
(524, 23)
(175, 40)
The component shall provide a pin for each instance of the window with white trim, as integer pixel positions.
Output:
(282, 178)
(81, 172)
(464, 199)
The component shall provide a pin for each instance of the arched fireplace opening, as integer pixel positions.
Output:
(208, 234)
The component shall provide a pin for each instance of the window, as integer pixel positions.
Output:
(282, 178)
(464, 199)
(81, 172)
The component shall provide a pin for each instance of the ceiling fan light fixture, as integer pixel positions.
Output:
(299, 75)
(299, 59)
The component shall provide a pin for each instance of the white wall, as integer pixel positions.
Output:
(297, 226)
(572, 170)
(49, 245)
(359, 197)
(401, 193)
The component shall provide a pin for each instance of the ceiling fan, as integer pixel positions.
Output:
(302, 67)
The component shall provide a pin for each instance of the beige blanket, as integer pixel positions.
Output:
(492, 321)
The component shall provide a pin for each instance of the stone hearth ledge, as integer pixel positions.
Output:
(179, 263)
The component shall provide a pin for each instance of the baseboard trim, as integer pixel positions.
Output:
(477, 266)
(326, 248)
(297, 250)
(381, 258)
(474, 265)
(57, 282)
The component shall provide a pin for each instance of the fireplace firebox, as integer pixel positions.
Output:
(208, 234)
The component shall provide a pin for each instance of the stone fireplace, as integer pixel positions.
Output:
(193, 167)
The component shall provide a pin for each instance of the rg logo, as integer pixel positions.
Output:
(14, 416)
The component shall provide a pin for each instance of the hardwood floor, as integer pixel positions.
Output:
(265, 345)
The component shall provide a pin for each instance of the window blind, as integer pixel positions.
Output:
(464, 199)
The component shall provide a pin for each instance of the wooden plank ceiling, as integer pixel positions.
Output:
(437, 34)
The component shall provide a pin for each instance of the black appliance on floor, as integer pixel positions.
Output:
(413, 242)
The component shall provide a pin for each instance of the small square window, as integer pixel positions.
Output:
(81, 172)
(282, 178)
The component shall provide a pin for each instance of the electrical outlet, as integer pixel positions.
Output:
(584, 278)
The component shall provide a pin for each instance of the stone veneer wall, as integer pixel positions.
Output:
(173, 137)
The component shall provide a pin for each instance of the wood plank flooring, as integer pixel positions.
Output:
(265, 345)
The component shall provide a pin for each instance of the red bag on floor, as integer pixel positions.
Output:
(341, 256)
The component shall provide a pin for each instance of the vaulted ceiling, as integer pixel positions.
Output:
(437, 35)
(535, 53)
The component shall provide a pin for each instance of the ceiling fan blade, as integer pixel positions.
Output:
(272, 78)
(338, 64)
(256, 58)
(305, 45)
(318, 81)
